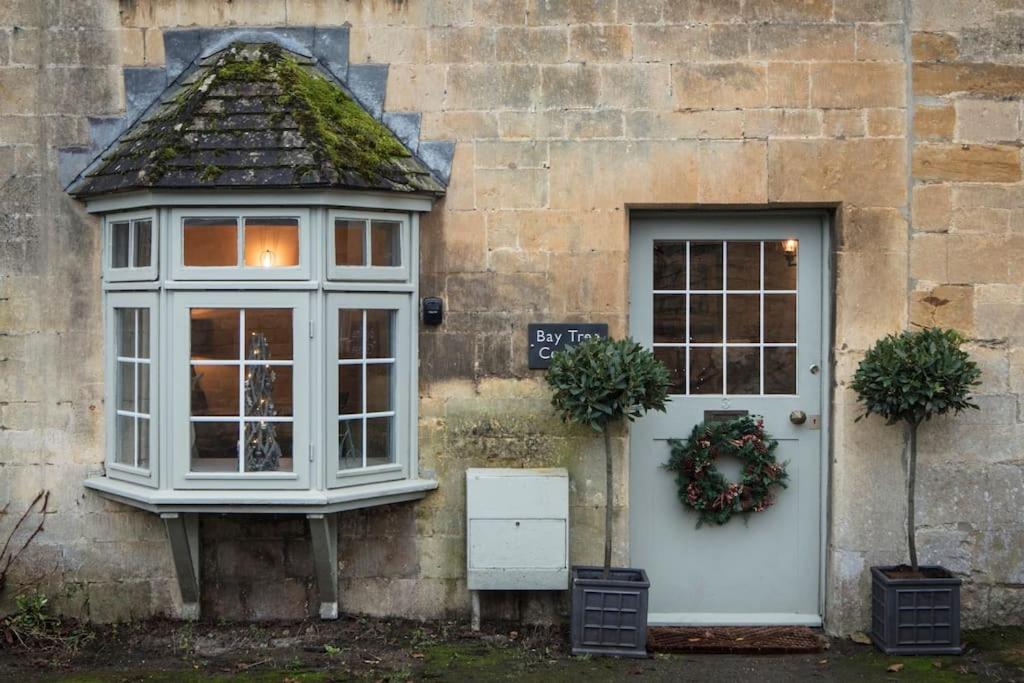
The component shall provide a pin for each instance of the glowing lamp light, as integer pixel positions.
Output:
(267, 259)
(789, 250)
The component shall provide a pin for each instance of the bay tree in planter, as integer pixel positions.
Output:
(908, 379)
(598, 383)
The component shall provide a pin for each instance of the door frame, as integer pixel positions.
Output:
(827, 219)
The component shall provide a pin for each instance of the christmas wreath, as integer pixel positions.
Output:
(703, 488)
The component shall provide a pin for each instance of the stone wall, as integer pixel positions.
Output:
(903, 117)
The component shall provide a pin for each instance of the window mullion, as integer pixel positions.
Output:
(362, 369)
(240, 451)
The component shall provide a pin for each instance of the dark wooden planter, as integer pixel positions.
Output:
(916, 616)
(609, 616)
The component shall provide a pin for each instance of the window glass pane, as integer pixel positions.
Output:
(268, 333)
(669, 265)
(675, 360)
(349, 248)
(379, 441)
(670, 318)
(143, 396)
(143, 442)
(350, 333)
(780, 370)
(744, 371)
(210, 242)
(780, 318)
(119, 245)
(379, 332)
(350, 389)
(126, 386)
(385, 239)
(705, 318)
(271, 242)
(706, 371)
(780, 264)
(378, 388)
(350, 444)
(214, 390)
(214, 446)
(268, 446)
(744, 270)
(125, 330)
(143, 255)
(214, 333)
(744, 317)
(143, 319)
(705, 265)
(268, 390)
(124, 441)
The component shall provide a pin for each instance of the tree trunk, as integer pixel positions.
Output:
(911, 480)
(608, 494)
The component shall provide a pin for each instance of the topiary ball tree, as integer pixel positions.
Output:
(910, 378)
(602, 381)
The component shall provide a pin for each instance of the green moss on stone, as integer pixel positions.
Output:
(210, 173)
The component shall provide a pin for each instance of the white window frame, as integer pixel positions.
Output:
(130, 273)
(136, 475)
(180, 409)
(403, 382)
(176, 235)
(399, 273)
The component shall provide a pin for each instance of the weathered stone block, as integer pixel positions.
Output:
(722, 163)
(788, 85)
(636, 86)
(987, 121)
(133, 50)
(932, 207)
(718, 86)
(492, 86)
(462, 44)
(570, 11)
(980, 258)
(976, 163)
(950, 306)
(880, 42)
(844, 123)
(415, 87)
(868, 10)
(992, 80)
(780, 123)
(18, 87)
(600, 43)
(389, 45)
(934, 47)
(928, 257)
(669, 43)
(887, 122)
(871, 230)
(511, 188)
(582, 124)
(981, 219)
(569, 86)
(685, 124)
(811, 42)
(865, 84)
(867, 172)
(460, 125)
(788, 10)
(535, 45)
(703, 11)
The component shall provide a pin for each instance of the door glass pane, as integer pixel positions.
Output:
(126, 386)
(214, 446)
(705, 265)
(378, 388)
(779, 318)
(744, 370)
(268, 333)
(271, 242)
(385, 239)
(350, 333)
(143, 244)
(214, 333)
(268, 446)
(674, 359)
(379, 441)
(744, 265)
(210, 242)
(744, 318)
(670, 318)
(669, 265)
(124, 440)
(119, 245)
(780, 370)
(705, 318)
(705, 370)
(379, 333)
(143, 442)
(780, 264)
(349, 246)
(350, 389)
(214, 390)
(350, 444)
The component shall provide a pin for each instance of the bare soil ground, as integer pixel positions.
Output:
(363, 649)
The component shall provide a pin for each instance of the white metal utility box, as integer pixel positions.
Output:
(517, 529)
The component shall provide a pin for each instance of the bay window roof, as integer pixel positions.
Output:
(257, 116)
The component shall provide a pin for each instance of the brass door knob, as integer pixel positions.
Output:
(798, 417)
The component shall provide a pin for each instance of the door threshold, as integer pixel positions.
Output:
(732, 619)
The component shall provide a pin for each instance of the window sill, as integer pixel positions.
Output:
(265, 502)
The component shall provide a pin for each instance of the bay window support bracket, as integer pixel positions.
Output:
(183, 534)
(323, 529)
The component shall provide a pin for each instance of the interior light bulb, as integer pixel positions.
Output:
(267, 259)
(789, 246)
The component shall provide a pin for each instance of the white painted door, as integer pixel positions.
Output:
(733, 305)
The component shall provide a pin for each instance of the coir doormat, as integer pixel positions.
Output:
(763, 640)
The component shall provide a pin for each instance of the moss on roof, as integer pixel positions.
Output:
(256, 115)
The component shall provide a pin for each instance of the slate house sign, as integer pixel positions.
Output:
(546, 338)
